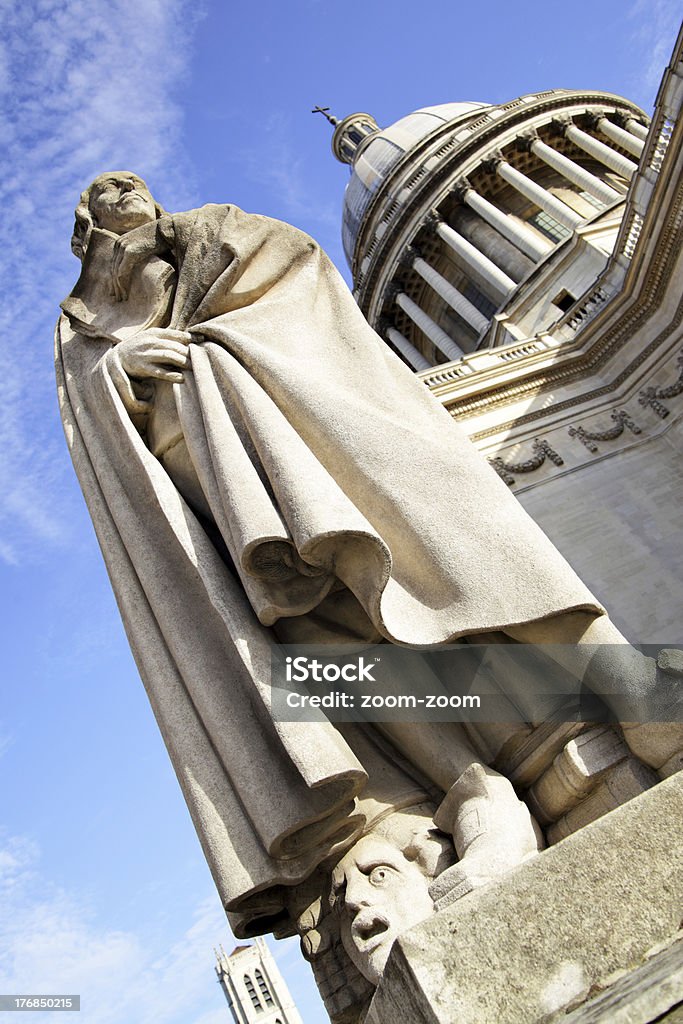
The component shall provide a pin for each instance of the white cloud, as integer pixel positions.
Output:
(656, 24)
(85, 87)
(214, 1017)
(50, 943)
(285, 174)
(17, 857)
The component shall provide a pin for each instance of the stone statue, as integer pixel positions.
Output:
(259, 466)
(381, 886)
(404, 868)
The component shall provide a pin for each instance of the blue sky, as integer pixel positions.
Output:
(103, 889)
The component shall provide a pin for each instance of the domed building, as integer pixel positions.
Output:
(526, 261)
(455, 211)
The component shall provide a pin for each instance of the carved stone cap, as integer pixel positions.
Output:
(492, 160)
(460, 189)
(525, 140)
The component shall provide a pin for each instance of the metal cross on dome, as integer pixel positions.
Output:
(325, 111)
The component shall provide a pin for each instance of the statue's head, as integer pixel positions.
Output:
(116, 201)
(380, 887)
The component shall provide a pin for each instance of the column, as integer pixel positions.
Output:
(636, 128)
(455, 299)
(525, 240)
(476, 260)
(539, 195)
(408, 350)
(609, 157)
(574, 172)
(435, 334)
(619, 135)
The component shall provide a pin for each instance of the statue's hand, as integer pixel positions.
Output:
(156, 354)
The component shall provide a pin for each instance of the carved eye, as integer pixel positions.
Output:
(379, 875)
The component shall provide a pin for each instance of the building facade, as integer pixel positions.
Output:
(253, 986)
(526, 261)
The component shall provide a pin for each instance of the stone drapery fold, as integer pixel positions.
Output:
(325, 469)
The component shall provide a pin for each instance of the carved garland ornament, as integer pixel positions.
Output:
(542, 451)
(651, 397)
(589, 437)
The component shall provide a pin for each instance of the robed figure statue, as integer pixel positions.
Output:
(259, 466)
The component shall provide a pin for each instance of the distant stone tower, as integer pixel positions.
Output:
(254, 987)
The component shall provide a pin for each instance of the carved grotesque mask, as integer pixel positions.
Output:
(380, 893)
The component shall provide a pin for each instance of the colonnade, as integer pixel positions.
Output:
(628, 135)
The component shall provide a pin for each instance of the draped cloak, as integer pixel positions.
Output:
(333, 479)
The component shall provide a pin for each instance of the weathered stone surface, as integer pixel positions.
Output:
(673, 765)
(247, 488)
(640, 996)
(246, 406)
(620, 784)
(535, 942)
(670, 660)
(539, 750)
(662, 740)
(576, 770)
(497, 740)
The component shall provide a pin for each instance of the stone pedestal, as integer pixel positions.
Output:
(586, 917)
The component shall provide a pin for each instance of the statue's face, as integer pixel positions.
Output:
(120, 201)
(384, 895)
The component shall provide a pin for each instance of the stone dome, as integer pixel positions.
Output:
(379, 153)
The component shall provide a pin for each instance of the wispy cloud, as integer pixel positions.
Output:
(84, 87)
(17, 858)
(5, 742)
(50, 943)
(655, 27)
(275, 164)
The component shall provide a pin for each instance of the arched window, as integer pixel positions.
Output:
(265, 991)
(253, 995)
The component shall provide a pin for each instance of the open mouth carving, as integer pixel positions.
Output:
(367, 929)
